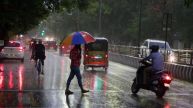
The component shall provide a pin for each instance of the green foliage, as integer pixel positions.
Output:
(18, 16)
(187, 3)
(71, 4)
(21, 15)
(120, 19)
(93, 8)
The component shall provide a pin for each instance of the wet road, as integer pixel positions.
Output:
(21, 87)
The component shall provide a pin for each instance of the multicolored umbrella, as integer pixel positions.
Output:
(81, 37)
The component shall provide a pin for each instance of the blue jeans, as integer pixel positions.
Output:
(74, 71)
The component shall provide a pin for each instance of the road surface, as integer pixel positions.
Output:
(21, 87)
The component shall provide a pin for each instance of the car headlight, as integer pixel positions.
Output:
(172, 58)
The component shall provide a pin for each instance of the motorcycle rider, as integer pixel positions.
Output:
(157, 63)
(40, 53)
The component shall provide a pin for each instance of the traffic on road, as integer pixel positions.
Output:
(21, 86)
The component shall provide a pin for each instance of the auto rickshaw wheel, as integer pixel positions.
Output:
(105, 69)
(85, 67)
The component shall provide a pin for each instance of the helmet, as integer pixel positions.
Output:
(154, 48)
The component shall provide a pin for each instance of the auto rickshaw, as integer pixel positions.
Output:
(96, 54)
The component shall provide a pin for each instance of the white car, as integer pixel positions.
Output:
(13, 50)
(144, 48)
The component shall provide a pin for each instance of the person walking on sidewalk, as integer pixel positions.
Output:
(75, 56)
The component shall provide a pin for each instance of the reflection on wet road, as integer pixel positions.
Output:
(20, 86)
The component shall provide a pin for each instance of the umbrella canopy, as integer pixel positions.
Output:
(75, 38)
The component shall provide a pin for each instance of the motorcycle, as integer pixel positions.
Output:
(159, 83)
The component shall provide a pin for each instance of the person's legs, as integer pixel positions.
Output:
(146, 74)
(71, 76)
(140, 74)
(35, 62)
(42, 61)
(79, 78)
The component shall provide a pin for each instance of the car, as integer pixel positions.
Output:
(64, 49)
(13, 50)
(50, 45)
(1, 44)
(163, 45)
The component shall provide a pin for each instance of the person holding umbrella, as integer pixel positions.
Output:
(76, 39)
(75, 56)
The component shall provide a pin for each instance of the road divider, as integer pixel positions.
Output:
(183, 72)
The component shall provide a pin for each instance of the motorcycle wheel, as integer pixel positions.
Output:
(134, 88)
(160, 92)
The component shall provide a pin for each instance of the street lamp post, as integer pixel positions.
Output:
(139, 29)
(100, 16)
(167, 21)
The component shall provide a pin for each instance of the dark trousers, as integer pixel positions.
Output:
(147, 75)
(140, 74)
(42, 61)
(75, 71)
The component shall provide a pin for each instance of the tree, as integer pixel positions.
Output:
(18, 16)
(187, 3)
(120, 20)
